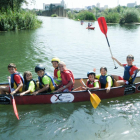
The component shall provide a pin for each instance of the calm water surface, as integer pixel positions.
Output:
(82, 50)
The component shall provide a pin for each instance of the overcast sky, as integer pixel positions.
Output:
(82, 3)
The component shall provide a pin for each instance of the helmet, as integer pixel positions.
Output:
(55, 59)
(39, 67)
(90, 72)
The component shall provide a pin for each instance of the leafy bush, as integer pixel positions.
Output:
(70, 15)
(18, 20)
(54, 15)
(85, 15)
(112, 18)
(129, 16)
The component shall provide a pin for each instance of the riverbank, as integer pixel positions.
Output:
(21, 20)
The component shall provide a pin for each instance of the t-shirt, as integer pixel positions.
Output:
(46, 80)
(66, 78)
(31, 86)
(17, 79)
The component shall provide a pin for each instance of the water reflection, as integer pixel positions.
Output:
(132, 27)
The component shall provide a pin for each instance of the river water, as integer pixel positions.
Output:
(81, 50)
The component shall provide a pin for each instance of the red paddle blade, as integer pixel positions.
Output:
(15, 109)
(102, 25)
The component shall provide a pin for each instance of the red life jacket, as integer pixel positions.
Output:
(55, 72)
(91, 84)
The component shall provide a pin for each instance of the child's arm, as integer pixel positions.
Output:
(138, 69)
(64, 87)
(109, 84)
(25, 92)
(17, 89)
(117, 61)
(46, 87)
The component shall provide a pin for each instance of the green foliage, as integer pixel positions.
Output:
(119, 14)
(129, 16)
(85, 15)
(112, 18)
(70, 15)
(18, 20)
(11, 4)
(54, 15)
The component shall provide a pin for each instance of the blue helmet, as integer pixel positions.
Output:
(39, 67)
(90, 72)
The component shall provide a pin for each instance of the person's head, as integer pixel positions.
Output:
(12, 68)
(62, 66)
(55, 62)
(103, 71)
(130, 59)
(91, 75)
(40, 70)
(27, 75)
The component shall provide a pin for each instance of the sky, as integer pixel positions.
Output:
(81, 3)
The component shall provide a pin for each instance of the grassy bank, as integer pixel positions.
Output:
(21, 20)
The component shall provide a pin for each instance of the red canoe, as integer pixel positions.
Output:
(73, 96)
(91, 27)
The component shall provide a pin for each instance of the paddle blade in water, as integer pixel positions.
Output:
(15, 109)
(102, 25)
(95, 100)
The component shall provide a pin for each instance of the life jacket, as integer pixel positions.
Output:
(91, 84)
(130, 73)
(103, 80)
(51, 86)
(65, 80)
(13, 83)
(26, 85)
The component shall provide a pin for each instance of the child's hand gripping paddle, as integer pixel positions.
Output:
(95, 100)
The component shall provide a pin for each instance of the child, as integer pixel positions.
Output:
(106, 81)
(130, 71)
(16, 81)
(57, 75)
(91, 82)
(46, 82)
(67, 78)
(29, 84)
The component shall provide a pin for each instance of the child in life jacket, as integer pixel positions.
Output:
(16, 83)
(92, 83)
(130, 71)
(67, 78)
(106, 81)
(46, 82)
(29, 84)
(57, 73)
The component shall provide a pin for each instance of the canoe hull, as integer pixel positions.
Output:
(92, 28)
(75, 96)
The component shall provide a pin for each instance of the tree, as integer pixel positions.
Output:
(11, 4)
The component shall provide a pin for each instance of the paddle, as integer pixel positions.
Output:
(103, 27)
(14, 103)
(95, 100)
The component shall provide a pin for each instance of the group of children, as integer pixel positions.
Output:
(63, 80)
